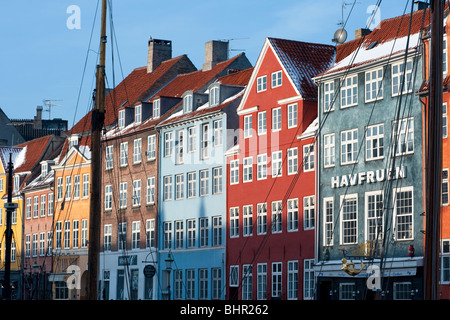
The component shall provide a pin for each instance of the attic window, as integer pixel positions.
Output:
(73, 141)
(372, 45)
(121, 122)
(156, 109)
(187, 103)
(214, 96)
(138, 114)
(44, 169)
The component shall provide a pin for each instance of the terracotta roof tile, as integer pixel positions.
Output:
(35, 149)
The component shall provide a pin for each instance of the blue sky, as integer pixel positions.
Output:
(42, 59)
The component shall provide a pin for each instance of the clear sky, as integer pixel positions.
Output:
(44, 44)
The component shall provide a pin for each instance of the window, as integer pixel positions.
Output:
(277, 164)
(308, 212)
(156, 109)
(402, 290)
(308, 279)
(234, 171)
(179, 236)
(248, 126)
(248, 169)
(276, 216)
(68, 187)
(261, 166)
(107, 236)
(84, 233)
(204, 232)
(167, 188)
(349, 146)
(204, 182)
(262, 122)
(276, 279)
(347, 291)
(374, 215)
(375, 142)
(398, 73)
(35, 206)
(217, 180)
(261, 83)
(216, 277)
(108, 197)
(328, 96)
(109, 157)
(261, 218)
(444, 55)
(75, 233)
(58, 232)
(137, 151)
(349, 216)
(138, 114)
(76, 187)
(168, 143)
(150, 190)
(214, 96)
(187, 103)
(123, 154)
(179, 186)
(150, 233)
(292, 280)
(349, 91)
(444, 120)
(403, 213)
(192, 184)
(247, 276)
(136, 193)
(403, 136)
(121, 121)
(66, 234)
(261, 286)
(151, 147)
(42, 244)
(135, 234)
(234, 222)
(203, 284)
(276, 79)
(179, 147)
(444, 188)
(50, 204)
(122, 236)
(85, 185)
(276, 119)
(205, 140)
(191, 147)
(292, 214)
(374, 88)
(35, 245)
(445, 262)
(190, 284)
(217, 133)
(167, 235)
(123, 195)
(328, 150)
(217, 231)
(28, 209)
(292, 115)
(308, 157)
(247, 220)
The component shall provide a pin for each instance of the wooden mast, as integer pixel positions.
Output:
(98, 116)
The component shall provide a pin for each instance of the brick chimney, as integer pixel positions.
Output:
(158, 51)
(215, 52)
(37, 123)
(361, 33)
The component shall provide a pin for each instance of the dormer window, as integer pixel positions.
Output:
(73, 141)
(214, 96)
(187, 103)
(16, 183)
(138, 114)
(121, 119)
(44, 169)
(156, 109)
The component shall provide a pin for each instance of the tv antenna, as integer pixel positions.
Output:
(341, 34)
(49, 104)
(228, 40)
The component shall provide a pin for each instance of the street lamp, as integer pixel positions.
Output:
(169, 262)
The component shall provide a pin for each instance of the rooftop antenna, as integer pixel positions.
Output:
(49, 104)
(228, 40)
(341, 34)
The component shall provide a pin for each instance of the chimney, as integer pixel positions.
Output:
(419, 5)
(158, 51)
(37, 123)
(361, 33)
(215, 52)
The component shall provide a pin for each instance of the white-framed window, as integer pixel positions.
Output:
(42, 244)
(121, 120)
(217, 180)
(85, 185)
(109, 157)
(190, 284)
(308, 157)
(68, 187)
(277, 274)
(248, 169)
(308, 279)
(292, 157)
(214, 97)
(262, 123)
(191, 140)
(179, 234)
(234, 171)
(308, 212)
(123, 195)
(108, 197)
(27, 210)
(205, 141)
(247, 219)
(204, 182)
(156, 109)
(84, 233)
(328, 96)
(167, 225)
(374, 215)
(34, 251)
(76, 186)
(403, 136)
(375, 142)
(123, 154)
(168, 143)
(277, 79)
(75, 233)
(292, 215)
(403, 213)
(50, 204)
(349, 146)
(398, 72)
(136, 193)
(276, 119)
(277, 162)
(292, 115)
(444, 120)
(248, 126)
(204, 232)
(217, 132)
(151, 147)
(138, 114)
(444, 188)
(137, 151)
(261, 83)
(35, 206)
(217, 231)
(234, 276)
(277, 220)
(151, 190)
(58, 235)
(216, 278)
(150, 232)
(261, 166)
(292, 280)
(107, 236)
(261, 286)
(234, 222)
(135, 234)
(349, 219)
(191, 184)
(349, 91)
(66, 234)
(247, 281)
(261, 218)
(167, 188)
(187, 103)
(373, 84)
(179, 147)
(179, 186)
(445, 262)
(190, 233)
(122, 235)
(328, 150)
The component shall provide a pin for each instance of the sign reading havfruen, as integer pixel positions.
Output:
(368, 177)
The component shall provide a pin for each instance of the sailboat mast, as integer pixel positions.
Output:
(434, 155)
(98, 116)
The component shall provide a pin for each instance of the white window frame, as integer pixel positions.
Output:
(308, 157)
(397, 76)
(191, 139)
(191, 184)
(350, 144)
(261, 167)
(329, 150)
(277, 163)
(108, 197)
(247, 169)
(204, 182)
(109, 157)
(348, 223)
(262, 123)
(444, 121)
(375, 142)
(403, 135)
(292, 115)
(292, 215)
(234, 222)
(328, 96)
(292, 158)
(261, 218)
(445, 187)
(234, 171)
(151, 147)
(261, 83)
(123, 186)
(374, 215)
(349, 91)
(168, 143)
(217, 133)
(276, 119)
(277, 279)
(277, 79)
(309, 209)
(156, 109)
(138, 114)
(248, 132)
(124, 154)
(137, 151)
(151, 190)
(137, 193)
(409, 215)
(276, 216)
(373, 83)
(121, 120)
(179, 186)
(247, 219)
(328, 221)
(167, 187)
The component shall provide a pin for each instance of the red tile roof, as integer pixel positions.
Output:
(239, 78)
(35, 150)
